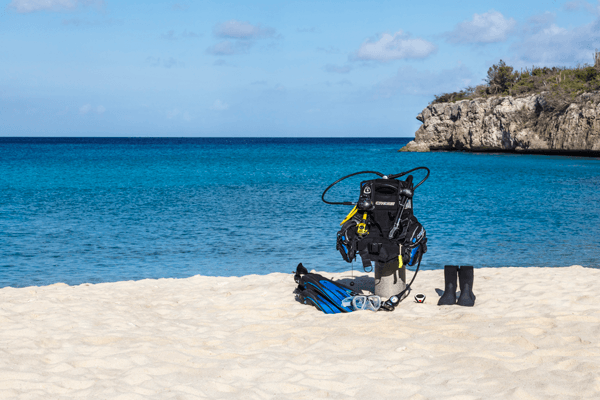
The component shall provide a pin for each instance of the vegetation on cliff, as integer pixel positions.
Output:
(560, 85)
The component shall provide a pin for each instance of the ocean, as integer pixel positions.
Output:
(79, 210)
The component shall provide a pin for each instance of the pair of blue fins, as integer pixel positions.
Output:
(325, 294)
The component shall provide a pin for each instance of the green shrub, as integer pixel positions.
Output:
(562, 84)
(500, 78)
(454, 96)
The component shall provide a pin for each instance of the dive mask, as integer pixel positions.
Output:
(361, 302)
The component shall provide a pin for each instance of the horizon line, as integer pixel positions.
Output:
(205, 137)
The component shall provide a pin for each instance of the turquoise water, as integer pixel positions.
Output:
(98, 210)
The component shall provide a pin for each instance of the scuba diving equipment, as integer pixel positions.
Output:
(325, 294)
(420, 298)
(393, 301)
(390, 278)
(362, 302)
(449, 296)
(381, 227)
(465, 277)
(385, 206)
(312, 297)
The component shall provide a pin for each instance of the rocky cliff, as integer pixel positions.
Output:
(533, 124)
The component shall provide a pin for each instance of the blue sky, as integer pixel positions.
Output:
(264, 68)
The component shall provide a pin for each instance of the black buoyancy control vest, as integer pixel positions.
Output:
(382, 226)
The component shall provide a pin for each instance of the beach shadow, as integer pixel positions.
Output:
(362, 284)
(440, 292)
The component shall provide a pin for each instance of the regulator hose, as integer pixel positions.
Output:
(395, 176)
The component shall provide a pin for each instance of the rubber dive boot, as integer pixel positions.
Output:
(465, 276)
(449, 296)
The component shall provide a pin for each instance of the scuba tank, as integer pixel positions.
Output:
(382, 226)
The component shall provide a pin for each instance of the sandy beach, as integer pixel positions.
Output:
(534, 333)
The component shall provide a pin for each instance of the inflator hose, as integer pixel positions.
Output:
(350, 203)
(408, 172)
(347, 203)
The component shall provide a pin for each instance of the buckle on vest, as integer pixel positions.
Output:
(374, 248)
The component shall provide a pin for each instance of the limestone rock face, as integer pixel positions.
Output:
(510, 124)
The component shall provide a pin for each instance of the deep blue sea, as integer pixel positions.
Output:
(110, 209)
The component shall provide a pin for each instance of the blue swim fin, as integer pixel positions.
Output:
(320, 290)
(310, 297)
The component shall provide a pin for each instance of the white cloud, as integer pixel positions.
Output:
(219, 105)
(553, 45)
(575, 5)
(86, 108)
(395, 47)
(240, 37)
(554, 30)
(228, 48)
(100, 109)
(234, 29)
(541, 20)
(224, 48)
(489, 27)
(28, 6)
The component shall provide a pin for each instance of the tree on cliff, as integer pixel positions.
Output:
(500, 78)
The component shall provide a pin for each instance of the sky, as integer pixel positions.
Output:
(322, 68)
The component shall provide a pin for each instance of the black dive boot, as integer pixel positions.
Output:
(465, 275)
(449, 296)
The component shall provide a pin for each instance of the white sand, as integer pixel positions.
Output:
(534, 333)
